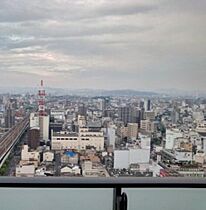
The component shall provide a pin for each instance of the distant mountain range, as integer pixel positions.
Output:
(101, 92)
(115, 93)
(79, 92)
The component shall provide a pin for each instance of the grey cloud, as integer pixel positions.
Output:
(125, 9)
(130, 42)
(23, 10)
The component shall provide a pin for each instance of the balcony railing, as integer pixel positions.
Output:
(102, 193)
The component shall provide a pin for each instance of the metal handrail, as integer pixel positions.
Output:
(112, 182)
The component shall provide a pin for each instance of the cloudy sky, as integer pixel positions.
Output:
(110, 44)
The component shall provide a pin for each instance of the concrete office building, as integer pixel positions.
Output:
(86, 137)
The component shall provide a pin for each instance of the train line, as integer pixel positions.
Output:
(11, 137)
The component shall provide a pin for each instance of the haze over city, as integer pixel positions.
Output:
(145, 45)
(102, 104)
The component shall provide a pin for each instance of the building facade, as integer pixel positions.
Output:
(79, 141)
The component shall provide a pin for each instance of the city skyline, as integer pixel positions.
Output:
(103, 44)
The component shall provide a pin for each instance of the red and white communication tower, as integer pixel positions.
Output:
(41, 100)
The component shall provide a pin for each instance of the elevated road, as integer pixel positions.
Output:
(11, 137)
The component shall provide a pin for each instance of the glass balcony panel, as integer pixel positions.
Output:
(166, 199)
(55, 199)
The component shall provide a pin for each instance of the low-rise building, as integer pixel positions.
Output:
(90, 169)
(27, 158)
(124, 158)
(177, 156)
(199, 158)
(48, 156)
(25, 171)
(70, 170)
(70, 157)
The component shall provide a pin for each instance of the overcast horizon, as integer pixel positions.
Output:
(104, 44)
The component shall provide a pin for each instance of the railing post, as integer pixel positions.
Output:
(119, 199)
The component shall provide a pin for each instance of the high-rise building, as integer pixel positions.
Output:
(125, 114)
(13, 102)
(175, 115)
(140, 116)
(34, 138)
(101, 104)
(132, 132)
(135, 115)
(148, 105)
(141, 104)
(82, 109)
(9, 116)
(110, 134)
(43, 117)
(44, 127)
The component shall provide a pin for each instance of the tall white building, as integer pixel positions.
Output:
(44, 127)
(42, 122)
(110, 133)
